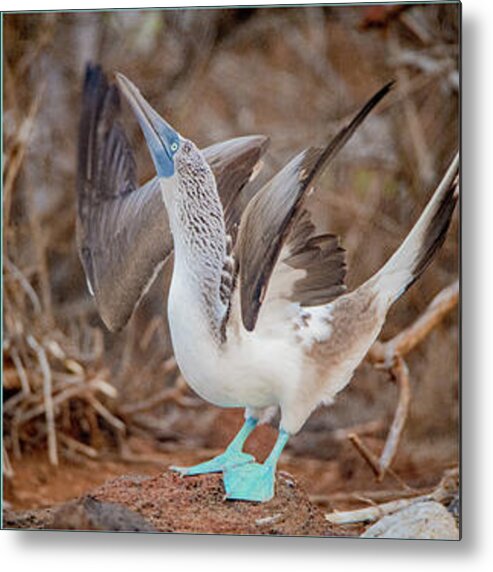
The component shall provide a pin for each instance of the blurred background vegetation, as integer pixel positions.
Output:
(72, 390)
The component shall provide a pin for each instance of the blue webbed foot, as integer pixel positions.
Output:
(232, 457)
(252, 482)
(222, 462)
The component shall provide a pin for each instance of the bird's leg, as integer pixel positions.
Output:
(232, 456)
(255, 481)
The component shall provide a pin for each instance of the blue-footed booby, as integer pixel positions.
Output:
(258, 311)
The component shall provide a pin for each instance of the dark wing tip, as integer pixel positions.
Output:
(94, 74)
(437, 230)
(379, 95)
(389, 86)
(436, 219)
(264, 142)
(288, 188)
(95, 82)
(347, 132)
(250, 310)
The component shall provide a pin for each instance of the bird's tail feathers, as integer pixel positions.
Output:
(416, 252)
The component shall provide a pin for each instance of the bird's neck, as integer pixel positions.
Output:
(199, 237)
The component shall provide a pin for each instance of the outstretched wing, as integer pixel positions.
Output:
(268, 221)
(322, 259)
(123, 233)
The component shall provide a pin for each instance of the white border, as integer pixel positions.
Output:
(76, 552)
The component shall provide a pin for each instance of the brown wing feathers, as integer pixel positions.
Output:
(270, 216)
(232, 163)
(323, 260)
(122, 231)
(120, 251)
(106, 166)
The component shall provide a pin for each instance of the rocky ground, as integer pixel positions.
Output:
(140, 493)
(170, 503)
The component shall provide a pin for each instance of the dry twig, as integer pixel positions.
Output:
(106, 414)
(401, 373)
(410, 337)
(19, 147)
(446, 487)
(389, 355)
(24, 282)
(48, 399)
(21, 372)
(8, 471)
(77, 446)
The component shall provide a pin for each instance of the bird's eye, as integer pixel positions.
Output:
(174, 146)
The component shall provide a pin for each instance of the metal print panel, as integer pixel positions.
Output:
(230, 297)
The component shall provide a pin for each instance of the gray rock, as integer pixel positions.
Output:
(422, 520)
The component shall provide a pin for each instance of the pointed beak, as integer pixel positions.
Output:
(162, 140)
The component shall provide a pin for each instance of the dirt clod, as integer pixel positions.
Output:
(171, 503)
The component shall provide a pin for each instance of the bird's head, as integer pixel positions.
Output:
(187, 183)
(164, 143)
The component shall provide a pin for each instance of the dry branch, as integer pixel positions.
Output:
(445, 489)
(368, 428)
(366, 453)
(169, 395)
(17, 154)
(410, 337)
(8, 471)
(373, 461)
(389, 355)
(401, 373)
(77, 446)
(52, 386)
(24, 282)
(165, 396)
(106, 414)
(368, 496)
(48, 399)
(21, 372)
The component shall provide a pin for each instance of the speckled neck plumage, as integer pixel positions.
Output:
(197, 224)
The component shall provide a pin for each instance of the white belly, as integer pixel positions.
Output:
(246, 371)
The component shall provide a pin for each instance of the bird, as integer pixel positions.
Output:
(259, 314)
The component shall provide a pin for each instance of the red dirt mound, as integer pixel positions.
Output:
(171, 503)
